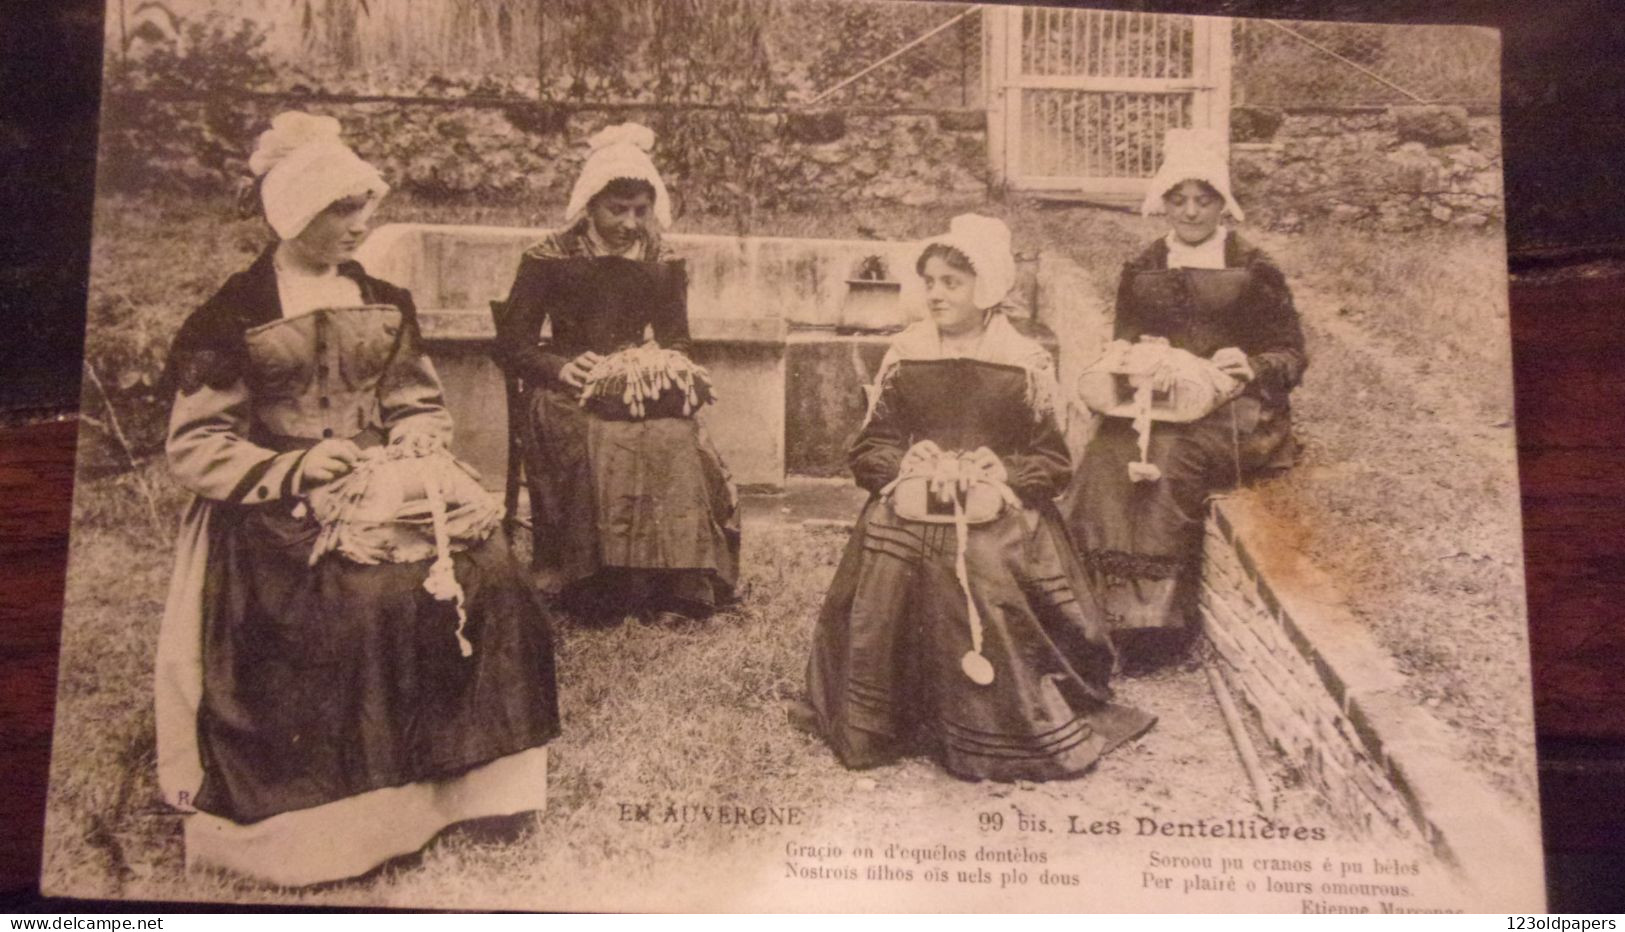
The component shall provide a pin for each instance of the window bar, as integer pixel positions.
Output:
(1026, 41)
(1136, 106)
(1063, 40)
(1126, 133)
(1063, 154)
(1141, 46)
(1154, 131)
(1097, 57)
(1108, 158)
(1050, 41)
(1086, 135)
(1105, 130)
(1040, 40)
(1164, 62)
(1057, 167)
(1159, 128)
(1125, 50)
(1130, 142)
(1035, 134)
(1187, 55)
(1062, 157)
(1141, 130)
(1130, 133)
(1040, 133)
(1097, 41)
(1057, 34)
(1102, 66)
(1118, 69)
(1033, 137)
(1055, 133)
(1086, 61)
(1176, 46)
(1108, 61)
(1025, 154)
(1071, 123)
(1074, 22)
(1131, 58)
(1153, 119)
(1108, 154)
(1092, 117)
(1136, 50)
(1080, 130)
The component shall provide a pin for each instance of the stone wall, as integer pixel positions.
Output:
(1390, 169)
(1336, 707)
(1268, 658)
(529, 153)
(1393, 169)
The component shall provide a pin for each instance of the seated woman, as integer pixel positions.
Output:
(633, 508)
(959, 620)
(350, 659)
(1205, 291)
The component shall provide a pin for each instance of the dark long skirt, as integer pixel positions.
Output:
(885, 676)
(628, 514)
(1142, 541)
(324, 682)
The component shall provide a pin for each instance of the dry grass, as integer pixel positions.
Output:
(1407, 491)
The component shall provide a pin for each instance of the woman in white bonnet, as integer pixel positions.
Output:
(321, 712)
(971, 637)
(631, 513)
(1207, 291)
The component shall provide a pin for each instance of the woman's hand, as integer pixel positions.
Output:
(575, 373)
(988, 462)
(1233, 362)
(327, 461)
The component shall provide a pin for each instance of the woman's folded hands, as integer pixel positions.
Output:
(1233, 362)
(574, 373)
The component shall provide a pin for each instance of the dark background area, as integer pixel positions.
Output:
(1564, 140)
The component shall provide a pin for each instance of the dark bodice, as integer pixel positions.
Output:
(1199, 310)
(961, 404)
(1246, 305)
(601, 304)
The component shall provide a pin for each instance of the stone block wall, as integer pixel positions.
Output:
(1268, 658)
(529, 154)
(1388, 169)
(1333, 702)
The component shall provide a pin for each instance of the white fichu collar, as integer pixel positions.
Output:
(1000, 343)
(1208, 254)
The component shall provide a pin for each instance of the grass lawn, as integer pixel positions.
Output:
(1404, 495)
(652, 715)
